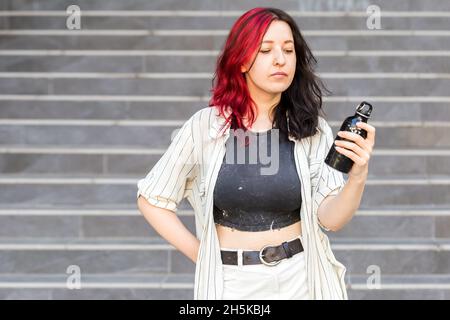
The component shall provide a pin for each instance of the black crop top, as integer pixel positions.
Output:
(248, 199)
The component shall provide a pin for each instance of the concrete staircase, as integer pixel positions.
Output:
(85, 113)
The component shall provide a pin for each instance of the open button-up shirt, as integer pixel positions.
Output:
(189, 169)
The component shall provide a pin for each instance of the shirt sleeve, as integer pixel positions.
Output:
(330, 181)
(165, 184)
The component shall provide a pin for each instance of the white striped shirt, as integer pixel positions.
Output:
(189, 169)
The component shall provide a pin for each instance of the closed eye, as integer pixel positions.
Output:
(267, 51)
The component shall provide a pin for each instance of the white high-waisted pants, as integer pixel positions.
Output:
(284, 281)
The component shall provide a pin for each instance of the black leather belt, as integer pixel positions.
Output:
(269, 255)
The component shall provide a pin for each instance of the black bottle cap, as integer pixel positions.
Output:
(364, 109)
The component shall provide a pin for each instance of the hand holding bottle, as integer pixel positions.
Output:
(357, 149)
(352, 147)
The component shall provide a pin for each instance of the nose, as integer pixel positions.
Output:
(279, 57)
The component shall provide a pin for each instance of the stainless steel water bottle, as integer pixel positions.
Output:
(337, 160)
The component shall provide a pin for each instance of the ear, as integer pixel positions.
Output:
(243, 69)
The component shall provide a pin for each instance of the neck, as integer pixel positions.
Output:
(265, 107)
(265, 102)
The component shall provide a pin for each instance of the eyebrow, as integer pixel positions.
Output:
(271, 41)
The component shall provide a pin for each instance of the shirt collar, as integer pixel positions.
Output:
(216, 130)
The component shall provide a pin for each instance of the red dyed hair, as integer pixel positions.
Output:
(302, 100)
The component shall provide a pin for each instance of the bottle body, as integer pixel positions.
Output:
(337, 160)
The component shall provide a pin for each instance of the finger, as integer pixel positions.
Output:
(364, 143)
(354, 147)
(370, 130)
(352, 137)
(350, 154)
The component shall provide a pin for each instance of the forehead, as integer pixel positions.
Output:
(271, 41)
(278, 31)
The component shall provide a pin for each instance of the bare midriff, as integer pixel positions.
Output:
(255, 240)
(230, 238)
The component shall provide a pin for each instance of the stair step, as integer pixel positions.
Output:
(138, 135)
(385, 163)
(160, 286)
(131, 210)
(168, 281)
(144, 281)
(207, 75)
(236, 5)
(135, 256)
(109, 286)
(187, 63)
(385, 112)
(129, 223)
(156, 244)
(401, 287)
(214, 53)
(50, 190)
(198, 98)
(143, 40)
(194, 86)
(393, 20)
(204, 32)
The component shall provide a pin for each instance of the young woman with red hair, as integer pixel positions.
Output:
(258, 227)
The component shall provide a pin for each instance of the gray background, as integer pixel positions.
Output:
(68, 188)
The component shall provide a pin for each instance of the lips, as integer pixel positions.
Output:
(279, 73)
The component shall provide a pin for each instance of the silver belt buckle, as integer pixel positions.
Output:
(270, 264)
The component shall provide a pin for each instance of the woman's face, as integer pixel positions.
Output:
(277, 54)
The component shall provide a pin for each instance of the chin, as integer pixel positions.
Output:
(277, 90)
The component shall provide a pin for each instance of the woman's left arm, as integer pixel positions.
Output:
(336, 211)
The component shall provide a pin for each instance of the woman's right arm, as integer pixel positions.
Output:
(170, 227)
(161, 191)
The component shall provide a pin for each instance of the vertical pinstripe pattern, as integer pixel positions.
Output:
(165, 185)
(189, 169)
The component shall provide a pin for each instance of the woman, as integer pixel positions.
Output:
(259, 232)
